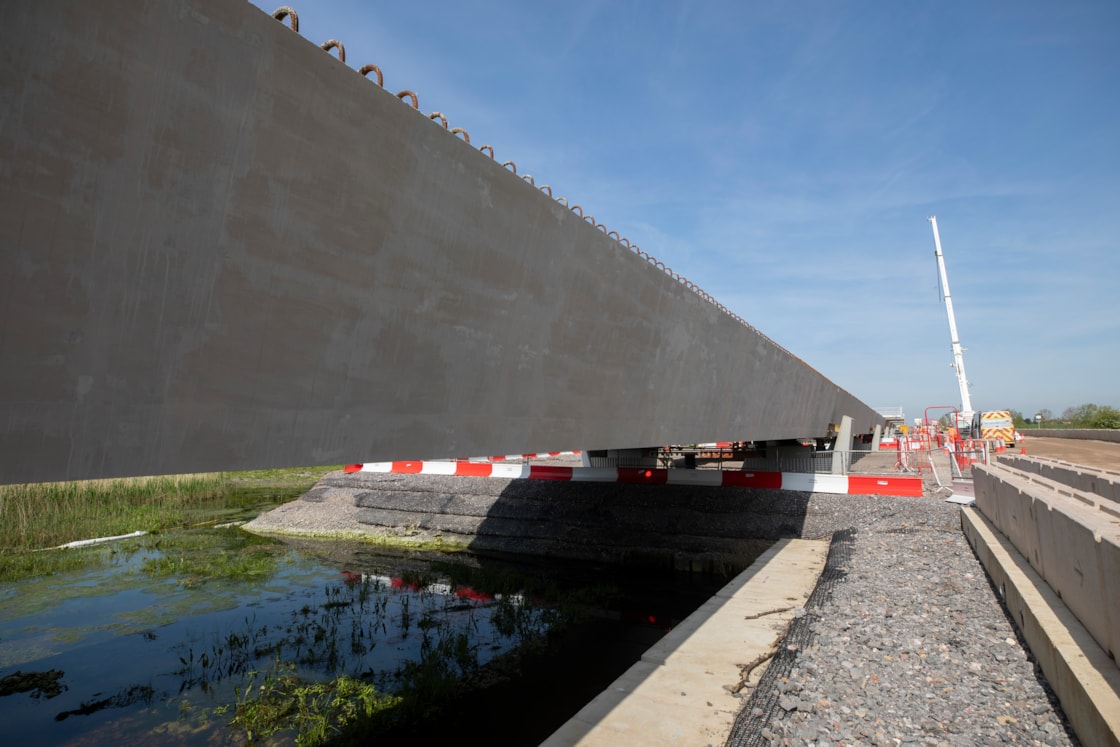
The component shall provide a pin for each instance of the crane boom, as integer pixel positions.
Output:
(958, 351)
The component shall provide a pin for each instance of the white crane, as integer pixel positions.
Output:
(958, 352)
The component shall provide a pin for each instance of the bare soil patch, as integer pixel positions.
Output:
(1099, 454)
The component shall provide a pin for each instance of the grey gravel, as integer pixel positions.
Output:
(912, 646)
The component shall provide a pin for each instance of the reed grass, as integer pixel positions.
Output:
(45, 515)
(48, 514)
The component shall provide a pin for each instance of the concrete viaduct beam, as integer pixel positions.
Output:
(225, 249)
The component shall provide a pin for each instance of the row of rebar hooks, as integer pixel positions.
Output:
(285, 12)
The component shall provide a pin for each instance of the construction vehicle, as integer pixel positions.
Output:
(995, 425)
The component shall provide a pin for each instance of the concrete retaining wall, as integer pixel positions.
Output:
(1071, 538)
(225, 249)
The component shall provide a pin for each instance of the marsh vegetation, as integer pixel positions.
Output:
(200, 633)
(35, 519)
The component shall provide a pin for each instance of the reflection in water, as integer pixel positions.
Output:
(131, 696)
(38, 684)
(370, 625)
(203, 635)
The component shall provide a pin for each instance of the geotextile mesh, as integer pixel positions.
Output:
(762, 705)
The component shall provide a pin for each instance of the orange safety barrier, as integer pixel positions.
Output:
(969, 451)
(473, 469)
(879, 485)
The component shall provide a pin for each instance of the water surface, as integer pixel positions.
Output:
(159, 633)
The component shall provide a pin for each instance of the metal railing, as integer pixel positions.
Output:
(838, 462)
(625, 461)
(912, 461)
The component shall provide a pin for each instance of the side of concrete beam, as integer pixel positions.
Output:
(225, 249)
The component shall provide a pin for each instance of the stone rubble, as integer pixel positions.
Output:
(911, 646)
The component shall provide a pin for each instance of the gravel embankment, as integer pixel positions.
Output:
(908, 644)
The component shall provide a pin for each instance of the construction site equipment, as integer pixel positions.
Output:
(995, 425)
(965, 415)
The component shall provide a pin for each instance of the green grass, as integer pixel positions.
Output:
(313, 712)
(201, 556)
(41, 516)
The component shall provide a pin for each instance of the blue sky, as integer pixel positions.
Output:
(785, 156)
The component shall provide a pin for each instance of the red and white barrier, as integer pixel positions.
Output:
(810, 482)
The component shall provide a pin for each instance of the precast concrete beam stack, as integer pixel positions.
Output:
(1101, 482)
(1070, 537)
(1053, 553)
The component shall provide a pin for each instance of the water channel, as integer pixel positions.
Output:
(160, 638)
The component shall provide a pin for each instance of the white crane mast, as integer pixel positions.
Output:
(958, 352)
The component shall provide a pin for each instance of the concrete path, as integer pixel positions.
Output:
(680, 692)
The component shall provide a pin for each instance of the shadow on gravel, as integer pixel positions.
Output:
(671, 527)
(679, 527)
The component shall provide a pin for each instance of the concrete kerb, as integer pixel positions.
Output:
(678, 693)
(1085, 679)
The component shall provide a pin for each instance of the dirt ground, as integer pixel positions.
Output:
(1100, 454)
